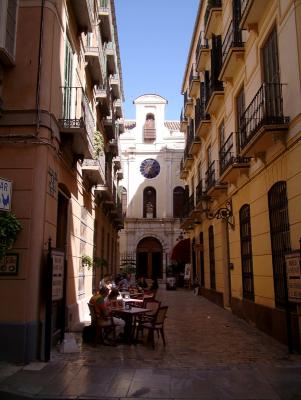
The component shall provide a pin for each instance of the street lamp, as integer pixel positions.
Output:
(224, 213)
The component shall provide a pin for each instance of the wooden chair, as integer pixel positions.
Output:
(154, 325)
(101, 331)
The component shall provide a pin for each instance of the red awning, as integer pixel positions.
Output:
(181, 252)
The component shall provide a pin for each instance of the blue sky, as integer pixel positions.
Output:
(154, 38)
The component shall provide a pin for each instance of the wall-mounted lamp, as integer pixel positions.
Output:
(224, 213)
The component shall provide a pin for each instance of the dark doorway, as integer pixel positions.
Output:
(149, 258)
(202, 263)
(58, 306)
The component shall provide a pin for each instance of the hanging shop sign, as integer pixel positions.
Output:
(293, 276)
(5, 194)
(58, 258)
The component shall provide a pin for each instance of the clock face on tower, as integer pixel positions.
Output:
(150, 168)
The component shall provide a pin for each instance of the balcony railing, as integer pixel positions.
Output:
(226, 154)
(210, 176)
(266, 108)
(233, 38)
(213, 85)
(76, 111)
(200, 191)
(191, 136)
(191, 203)
(200, 114)
(211, 4)
(193, 74)
(202, 44)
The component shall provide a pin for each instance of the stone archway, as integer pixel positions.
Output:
(149, 258)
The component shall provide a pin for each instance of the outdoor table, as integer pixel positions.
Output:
(129, 315)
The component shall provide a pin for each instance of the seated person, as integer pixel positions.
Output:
(124, 284)
(106, 282)
(155, 285)
(103, 311)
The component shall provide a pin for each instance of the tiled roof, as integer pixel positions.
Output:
(172, 125)
(129, 124)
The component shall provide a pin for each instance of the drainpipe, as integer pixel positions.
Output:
(38, 88)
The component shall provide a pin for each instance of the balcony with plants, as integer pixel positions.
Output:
(202, 119)
(231, 164)
(76, 123)
(251, 13)
(93, 170)
(202, 53)
(263, 122)
(213, 18)
(194, 82)
(232, 47)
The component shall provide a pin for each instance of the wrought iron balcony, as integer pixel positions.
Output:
(188, 105)
(214, 94)
(183, 170)
(202, 120)
(213, 185)
(191, 204)
(188, 158)
(193, 141)
(110, 52)
(92, 57)
(212, 18)
(252, 12)
(183, 122)
(105, 25)
(114, 82)
(200, 192)
(77, 120)
(263, 118)
(232, 165)
(233, 39)
(194, 82)
(117, 104)
(202, 53)
(83, 11)
(103, 98)
(94, 170)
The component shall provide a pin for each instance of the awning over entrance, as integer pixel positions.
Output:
(181, 252)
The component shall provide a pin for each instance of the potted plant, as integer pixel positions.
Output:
(9, 229)
(87, 261)
(98, 144)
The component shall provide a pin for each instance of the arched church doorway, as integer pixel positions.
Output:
(149, 258)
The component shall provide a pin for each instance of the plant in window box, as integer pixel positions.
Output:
(87, 261)
(98, 144)
(9, 229)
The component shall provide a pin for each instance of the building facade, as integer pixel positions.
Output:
(152, 190)
(242, 122)
(61, 101)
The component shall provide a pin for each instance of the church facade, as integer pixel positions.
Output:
(152, 191)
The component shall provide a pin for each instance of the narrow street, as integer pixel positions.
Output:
(210, 354)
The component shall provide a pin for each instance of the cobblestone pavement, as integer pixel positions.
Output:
(210, 354)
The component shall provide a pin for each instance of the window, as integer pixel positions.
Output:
(149, 202)
(280, 238)
(81, 278)
(270, 60)
(8, 24)
(149, 127)
(221, 134)
(246, 252)
(178, 201)
(211, 257)
(240, 109)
